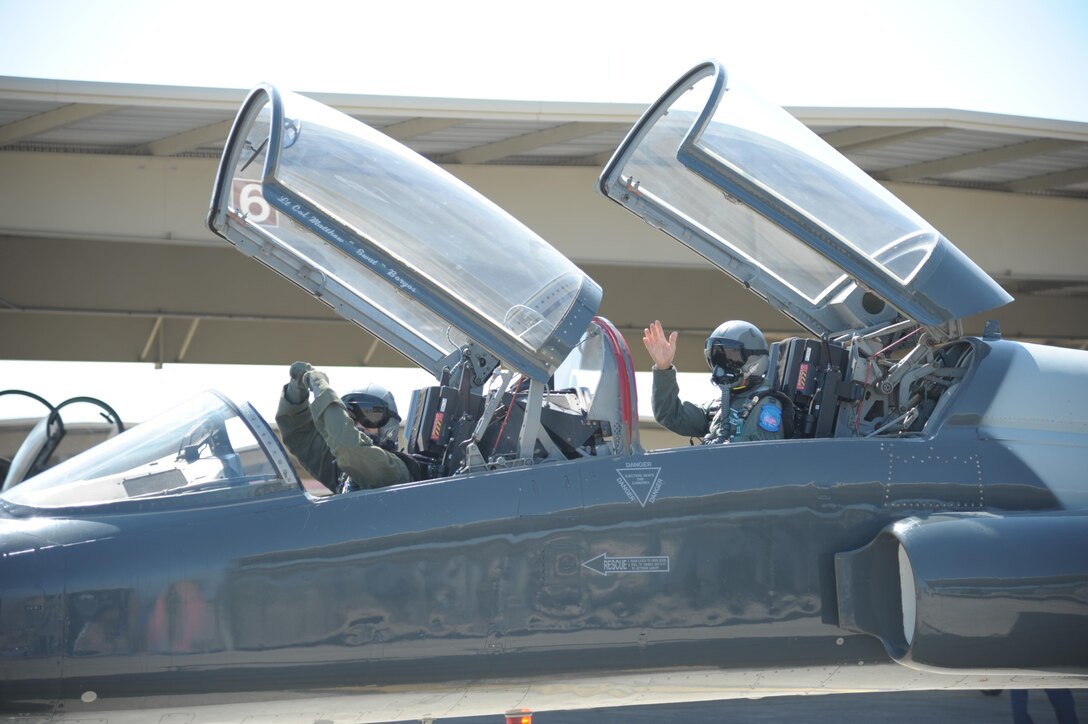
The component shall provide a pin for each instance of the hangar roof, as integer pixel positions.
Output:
(105, 190)
(931, 146)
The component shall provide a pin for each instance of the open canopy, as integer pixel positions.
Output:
(759, 195)
(391, 241)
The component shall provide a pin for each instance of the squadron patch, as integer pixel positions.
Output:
(770, 417)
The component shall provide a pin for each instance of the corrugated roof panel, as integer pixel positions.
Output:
(471, 135)
(1029, 167)
(586, 160)
(381, 122)
(479, 132)
(210, 151)
(605, 141)
(14, 111)
(823, 130)
(146, 114)
(947, 144)
(132, 127)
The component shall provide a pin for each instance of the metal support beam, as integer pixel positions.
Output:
(1048, 181)
(370, 352)
(867, 139)
(977, 159)
(156, 333)
(599, 159)
(159, 316)
(188, 340)
(528, 142)
(414, 127)
(181, 142)
(56, 118)
(861, 134)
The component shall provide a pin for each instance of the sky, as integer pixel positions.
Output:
(1018, 57)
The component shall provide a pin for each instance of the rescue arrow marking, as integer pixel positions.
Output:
(627, 564)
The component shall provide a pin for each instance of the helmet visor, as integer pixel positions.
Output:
(367, 410)
(727, 354)
(730, 354)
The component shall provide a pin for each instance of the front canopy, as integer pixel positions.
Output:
(391, 241)
(207, 450)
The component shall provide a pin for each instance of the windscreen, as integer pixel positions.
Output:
(206, 444)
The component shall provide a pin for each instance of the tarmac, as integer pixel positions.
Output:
(960, 707)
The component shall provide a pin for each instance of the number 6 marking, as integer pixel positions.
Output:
(252, 204)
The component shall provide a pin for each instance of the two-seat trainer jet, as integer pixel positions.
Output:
(925, 525)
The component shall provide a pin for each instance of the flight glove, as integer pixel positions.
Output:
(296, 391)
(316, 380)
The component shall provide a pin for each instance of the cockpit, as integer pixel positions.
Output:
(525, 371)
(586, 409)
(752, 190)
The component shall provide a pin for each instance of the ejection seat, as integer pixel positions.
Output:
(808, 376)
(588, 409)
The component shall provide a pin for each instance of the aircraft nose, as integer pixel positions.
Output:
(31, 618)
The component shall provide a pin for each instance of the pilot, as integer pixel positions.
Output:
(347, 443)
(737, 355)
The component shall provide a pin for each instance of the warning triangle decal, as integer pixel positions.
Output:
(640, 484)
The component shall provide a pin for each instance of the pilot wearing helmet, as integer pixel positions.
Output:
(737, 355)
(347, 443)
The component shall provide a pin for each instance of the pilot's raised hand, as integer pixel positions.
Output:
(662, 349)
(295, 391)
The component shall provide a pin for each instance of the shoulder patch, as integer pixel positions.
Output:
(770, 416)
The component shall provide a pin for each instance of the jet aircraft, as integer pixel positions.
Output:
(923, 526)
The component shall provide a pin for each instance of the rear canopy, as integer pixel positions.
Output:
(755, 192)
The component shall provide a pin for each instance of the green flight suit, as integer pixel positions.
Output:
(706, 421)
(325, 440)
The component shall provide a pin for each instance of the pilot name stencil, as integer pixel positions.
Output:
(308, 216)
(640, 481)
(607, 566)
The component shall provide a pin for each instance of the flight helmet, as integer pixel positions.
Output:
(737, 355)
(373, 406)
